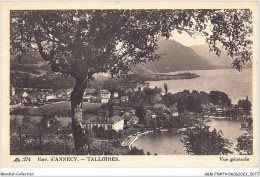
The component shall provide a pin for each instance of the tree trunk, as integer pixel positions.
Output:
(76, 115)
(40, 139)
(20, 136)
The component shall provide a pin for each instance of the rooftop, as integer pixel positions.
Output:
(103, 120)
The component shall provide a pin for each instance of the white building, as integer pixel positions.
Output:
(104, 100)
(12, 91)
(163, 92)
(175, 114)
(115, 94)
(116, 123)
(104, 94)
(50, 97)
(25, 94)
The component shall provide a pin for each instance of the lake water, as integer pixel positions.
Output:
(169, 143)
(238, 85)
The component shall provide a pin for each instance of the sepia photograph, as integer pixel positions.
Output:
(131, 82)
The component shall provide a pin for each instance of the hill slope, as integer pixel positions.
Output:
(175, 57)
(223, 61)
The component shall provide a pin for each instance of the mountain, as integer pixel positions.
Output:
(30, 63)
(223, 61)
(174, 57)
(31, 71)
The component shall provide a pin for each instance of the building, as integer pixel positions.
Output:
(146, 83)
(28, 89)
(124, 98)
(87, 98)
(104, 100)
(12, 92)
(159, 106)
(89, 91)
(174, 110)
(95, 99)
(151, 114)
(141, 86)
(88, 94)
(157, 97)
(51, 98)
(104, 95)
(14, 100)
(130, 119)
(163, 92)
(219, 111)
(115, 123)
(115, 94)
(25, 94)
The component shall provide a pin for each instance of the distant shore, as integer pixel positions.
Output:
(179, 76)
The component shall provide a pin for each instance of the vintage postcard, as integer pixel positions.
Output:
(129, 84)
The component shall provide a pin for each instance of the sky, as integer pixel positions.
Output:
(188, 41)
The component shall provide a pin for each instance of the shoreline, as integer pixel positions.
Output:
(129, 141)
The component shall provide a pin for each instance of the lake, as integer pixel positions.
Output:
(168, 143)
(238, 85)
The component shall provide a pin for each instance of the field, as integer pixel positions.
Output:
(61, 106)
(36, 113)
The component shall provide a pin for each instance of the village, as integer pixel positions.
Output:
(118, 117)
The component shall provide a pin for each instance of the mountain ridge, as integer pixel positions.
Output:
(221, 62)
(174, 57)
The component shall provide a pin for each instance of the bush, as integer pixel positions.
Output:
(202, 141)
(135, 151)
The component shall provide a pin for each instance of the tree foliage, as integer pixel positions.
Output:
(245, 142)
(219, 98)
(186, 100)
(136, 151)
(165, 88)
(202, 141)
(84, 42)
(141, 113)
(245, 145)
(246, 105)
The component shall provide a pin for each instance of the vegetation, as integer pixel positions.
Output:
(25, 68)
(178, 76)
(202, 141)
(141, 114)
(245, 145)
(219, 98)
(186, 100)
(158, 77)
(245, 105)
(165, 88)
(173, 123)
(245, 142)
(135, 151)
(101, 133)
(145, 97)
